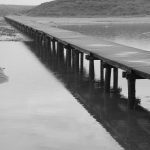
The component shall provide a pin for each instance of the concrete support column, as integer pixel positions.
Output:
(107, 78)
(68, 57)
(76, 55)
(131, 92)
(60, 53)
(101, 72)
(115, 79)
(91, 59)
(81, 62)
(131, 80)
(73, 58)
(48, 42)
(53, 45)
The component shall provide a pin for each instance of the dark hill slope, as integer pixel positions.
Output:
(12, 9)
(92, 8)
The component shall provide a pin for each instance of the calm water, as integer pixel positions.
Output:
(46, 106)
(37, 111)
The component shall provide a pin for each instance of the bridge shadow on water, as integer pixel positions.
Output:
(131, 129)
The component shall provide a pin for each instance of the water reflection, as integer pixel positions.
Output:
(131, 34)
(130, 129)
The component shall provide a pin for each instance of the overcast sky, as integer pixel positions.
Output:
(23, 2)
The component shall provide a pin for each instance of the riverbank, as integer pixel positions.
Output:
(8, 33)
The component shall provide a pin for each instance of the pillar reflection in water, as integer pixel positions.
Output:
(130, 129)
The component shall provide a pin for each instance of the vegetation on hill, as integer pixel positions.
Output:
(92, 8)
(13, 9)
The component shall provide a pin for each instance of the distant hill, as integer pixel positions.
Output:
(13, 9)
(92, 8)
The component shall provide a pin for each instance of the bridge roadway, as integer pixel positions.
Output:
(135, 62)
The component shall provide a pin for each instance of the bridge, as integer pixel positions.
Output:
(112, 56)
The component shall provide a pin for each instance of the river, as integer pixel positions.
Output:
(43, 107)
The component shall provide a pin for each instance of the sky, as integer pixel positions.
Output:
(23, 2)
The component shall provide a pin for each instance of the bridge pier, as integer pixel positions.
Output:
(53, 44)
(131, 92)
(81, 62)
(48, 42)
(131, 80)
(115, 80)
(45, 40)
(101, 72)
(73, 58)
(76, 56)
(40, 38)
(91, 59)
(54, 48)
(60, 53)
(107, 77)
(68, 57)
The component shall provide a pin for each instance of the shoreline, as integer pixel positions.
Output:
(8, 33)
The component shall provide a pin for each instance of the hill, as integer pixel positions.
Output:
(13, 9)
(92, 8)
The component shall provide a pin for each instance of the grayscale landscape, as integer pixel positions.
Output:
(74, 75)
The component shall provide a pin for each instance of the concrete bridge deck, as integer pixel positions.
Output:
(126, 58)
(134, 61)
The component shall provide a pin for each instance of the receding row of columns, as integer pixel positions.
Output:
(74, 59)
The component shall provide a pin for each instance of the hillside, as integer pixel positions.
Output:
(92, 8)
(13, 9)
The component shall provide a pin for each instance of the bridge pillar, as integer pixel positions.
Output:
(44, 40)
(81, 62)
(101, 72)
(107, 77)
(60, 53)
(36, 36)
(131, 92)
(76, 55)
(41, 38)
(115, 80)
(91, 59)
(48, 42)
(131, 79)
(54, 49)
(68, 57)
(73, 58)
(53, 45)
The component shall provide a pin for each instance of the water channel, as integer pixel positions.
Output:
(43, 106)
